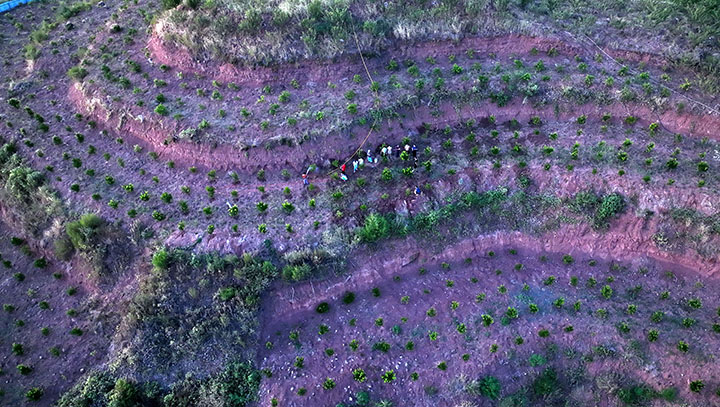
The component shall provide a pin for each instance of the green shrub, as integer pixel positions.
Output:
(546, 383)
(17, 349)
(652, 335)
(161, 110)
(610, 206)
(376, 227)
(161, 259)
(24, 369)
(85, 232)
(236, 386)
(696, 386)
(537, 360)
(226, 293)
(77, 73)
(359, 375)
(381, 346)
(34, 394)
(322, 308)
(606, 292)
(296, 272)
(638, 395)
(488, 386)
(348, 297)
(657, 316)
(668, 394)
(169, 4)
(288, 207)
(328, 384)
(386, 175)
(695, 303)
(124, 394)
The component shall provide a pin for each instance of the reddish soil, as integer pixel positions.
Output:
(292, 308)
(77, 354)
(557, 180)
(321, 71)
(158, 134)
(627, 242)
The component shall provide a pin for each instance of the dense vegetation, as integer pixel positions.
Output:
(189, 307)
(236, 386)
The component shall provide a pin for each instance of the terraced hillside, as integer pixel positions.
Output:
(328, 203)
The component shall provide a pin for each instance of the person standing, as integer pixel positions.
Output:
(342, 168)
(355, 166)
(305, 180)
(397, 151)
(389, 151)
(414, 150)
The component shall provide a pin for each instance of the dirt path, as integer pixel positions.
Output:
(393, 298)
(158, 134)
(629, 240)
(321, 71)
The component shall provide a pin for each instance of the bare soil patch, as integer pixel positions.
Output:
(399, 311)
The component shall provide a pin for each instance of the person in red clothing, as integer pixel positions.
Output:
(305, 180)
(342, 168)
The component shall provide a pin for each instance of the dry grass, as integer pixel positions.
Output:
(253, 32)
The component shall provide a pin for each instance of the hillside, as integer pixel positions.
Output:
(360, 203)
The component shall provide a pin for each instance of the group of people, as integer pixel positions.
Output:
(386, 151)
